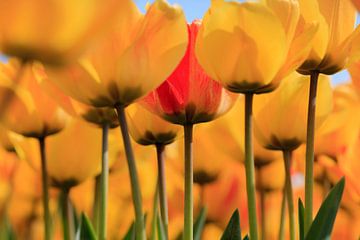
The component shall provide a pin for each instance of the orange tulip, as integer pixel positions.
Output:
(140, 52)
(55, 32)
(31, 112)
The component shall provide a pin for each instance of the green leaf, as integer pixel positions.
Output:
(246, 237)
(232, 231)
(85, 230)
(301, 210)
(200, 223)
(160, 228)
(323, 223)
(130, 235)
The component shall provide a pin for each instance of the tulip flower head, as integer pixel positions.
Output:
(189, 96)
(249, 47)
(31, 111)
(147, 128)
(333, 43)
(54, 32)
(141, 51)
(281, 116)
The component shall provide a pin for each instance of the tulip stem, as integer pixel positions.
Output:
(289, 192)
(97, 193)
(162, 187)
(67, 216)
(104, 182)
(249, 167)
(155, 212)
(309, 168)
(135, 186)
(45, 189)
(282, 216)
(263, 213)
(189, 175)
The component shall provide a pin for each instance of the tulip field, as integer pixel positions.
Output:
(124, 124)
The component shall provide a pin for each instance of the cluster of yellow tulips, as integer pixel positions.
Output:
(98, 104)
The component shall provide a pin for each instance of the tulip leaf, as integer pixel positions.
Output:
(130, 235)
(200, 223)
(232, 231)
(301, 219)
(85, 230)
(323, 223)
(160, 228)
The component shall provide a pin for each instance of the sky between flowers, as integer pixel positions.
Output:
(196, 9)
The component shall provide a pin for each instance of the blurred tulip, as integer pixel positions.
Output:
(258, 44)
(39, 114)
(72, 155)
(271, 177)
(55, 32)
(357, 4)
(341, 129)
(332, 45)
(97, 116)
(148, 129)
(189, 96)
(280, 117)
(140, 53)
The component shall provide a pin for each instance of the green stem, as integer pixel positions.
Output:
(289, 193)
(309, 169)
(189, 175)
(96, 205)
(45, 190)
(162, 187)
(135, 186)
(249, 167)
(104, 183)
(155, 212)
(263, 213)
(282, 216)
(67, 216)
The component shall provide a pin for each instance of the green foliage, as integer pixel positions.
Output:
(85, 230)
(323, 223)
(232, 231)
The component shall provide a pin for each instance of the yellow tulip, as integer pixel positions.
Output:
(72, 155)
(357, 4)
(55, 31)
(333, 42)
(340, 131)
(280, 117)
(271, 177)
(146, 128)
(31, 112)
(139, 54)
(258, 43)
(97, 116)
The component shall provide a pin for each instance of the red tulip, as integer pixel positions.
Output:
(189, 95)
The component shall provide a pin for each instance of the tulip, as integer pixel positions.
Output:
(260, 43)
(187, 97)
(280, 117)
(40, 116)
(357, 4)
(147, 128)
(159, 133)
(332, 49)
(140, 52)
(334, 40)
(340, 130)
(55, 33)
